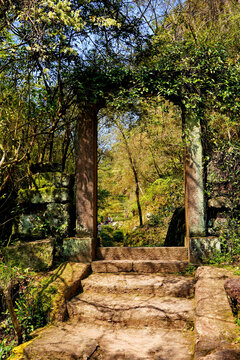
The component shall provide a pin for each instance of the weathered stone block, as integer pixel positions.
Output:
(56, 179)
(217, 224)
(44, 195)
(232, 288)
(202, 248)
(78, 249)
(60, 215)
(220, 202)
(68, 282)
(29, 225)
(37, 255)
(55, 220)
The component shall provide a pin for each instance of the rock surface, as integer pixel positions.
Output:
(67, 279)
(139, 266)
(232, 288)
(129, 316)
(214, 323)
(138, 319)
(37, 255)
(78, 249)
(142, 253)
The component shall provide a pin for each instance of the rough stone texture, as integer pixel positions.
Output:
(220, 202)
(224, 354)
(74, 340)
(161, 285)
(78, 249)
(214, 324)
(142, 253)
(139, 266)
(56, 179)
(217, 223)
(37, 255)
(135, 325)
(44, 195)
(61, 219)
(202, 248)
(222, 173)
(133, 310)
(29, 225)
(67, 279)
(177, 229)
(55, 219)
(194, 178)
(86, 172)
(47, 208)
(232, 288)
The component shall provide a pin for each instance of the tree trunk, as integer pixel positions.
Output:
(134, 170)
(16, 325)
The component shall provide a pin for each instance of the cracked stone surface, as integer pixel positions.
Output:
(144, 317)
(161, 285)
(214, 324)
(74, 340)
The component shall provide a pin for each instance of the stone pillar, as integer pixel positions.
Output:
(86, 174)
(194, 178)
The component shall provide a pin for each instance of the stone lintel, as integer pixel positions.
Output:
(202, 248)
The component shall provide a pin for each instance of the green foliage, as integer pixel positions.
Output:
(110, 236)
(33, 301)
(5, 349)
(146, 236)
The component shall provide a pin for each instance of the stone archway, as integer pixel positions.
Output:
(86, 181)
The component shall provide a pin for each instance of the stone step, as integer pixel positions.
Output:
(161, 285)
(73, 340)
(133, 310)
(139, 266)
(142, 253)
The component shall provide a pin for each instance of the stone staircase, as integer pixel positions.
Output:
(138, 315)
(140, 259)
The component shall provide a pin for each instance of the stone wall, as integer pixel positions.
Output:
(223, 189)
(46, 209)
(46, 217)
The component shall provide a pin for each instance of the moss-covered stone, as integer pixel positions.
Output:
(68, 283)
(78, 249)
(56, 179)
(18, 352)
(220, 202)
(202, 248)
(36, 255)
(29, 225)
(44, 195)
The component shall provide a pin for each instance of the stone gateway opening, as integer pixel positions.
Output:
(194, 178)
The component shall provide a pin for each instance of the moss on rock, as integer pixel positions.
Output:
(37, 255)
(44, 195)
(47, 179)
